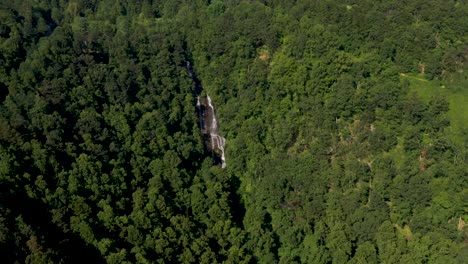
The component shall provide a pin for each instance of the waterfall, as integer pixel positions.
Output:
(217, 141)
(207, 119)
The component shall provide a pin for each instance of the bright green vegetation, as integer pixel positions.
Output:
(458, 114)
(454, 89)
(457, 96)
(346, 126)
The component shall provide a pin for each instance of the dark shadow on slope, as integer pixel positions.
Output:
(235, 202)
(67, 247)
(3, 92)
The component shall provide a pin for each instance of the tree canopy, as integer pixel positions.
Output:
(345, 124)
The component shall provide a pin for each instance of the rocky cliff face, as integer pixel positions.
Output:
(209, 129)
(207, 121)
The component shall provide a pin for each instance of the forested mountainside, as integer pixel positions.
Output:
(343, 126)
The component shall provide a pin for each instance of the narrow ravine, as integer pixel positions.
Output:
(207, 121)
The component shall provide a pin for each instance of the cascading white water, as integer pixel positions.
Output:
(207, 118)
(217, 141)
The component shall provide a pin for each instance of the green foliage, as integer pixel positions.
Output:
(346, 127)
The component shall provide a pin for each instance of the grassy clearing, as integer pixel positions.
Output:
(424, 88)
(455, 90)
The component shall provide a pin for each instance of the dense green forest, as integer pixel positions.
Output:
(346, 127)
